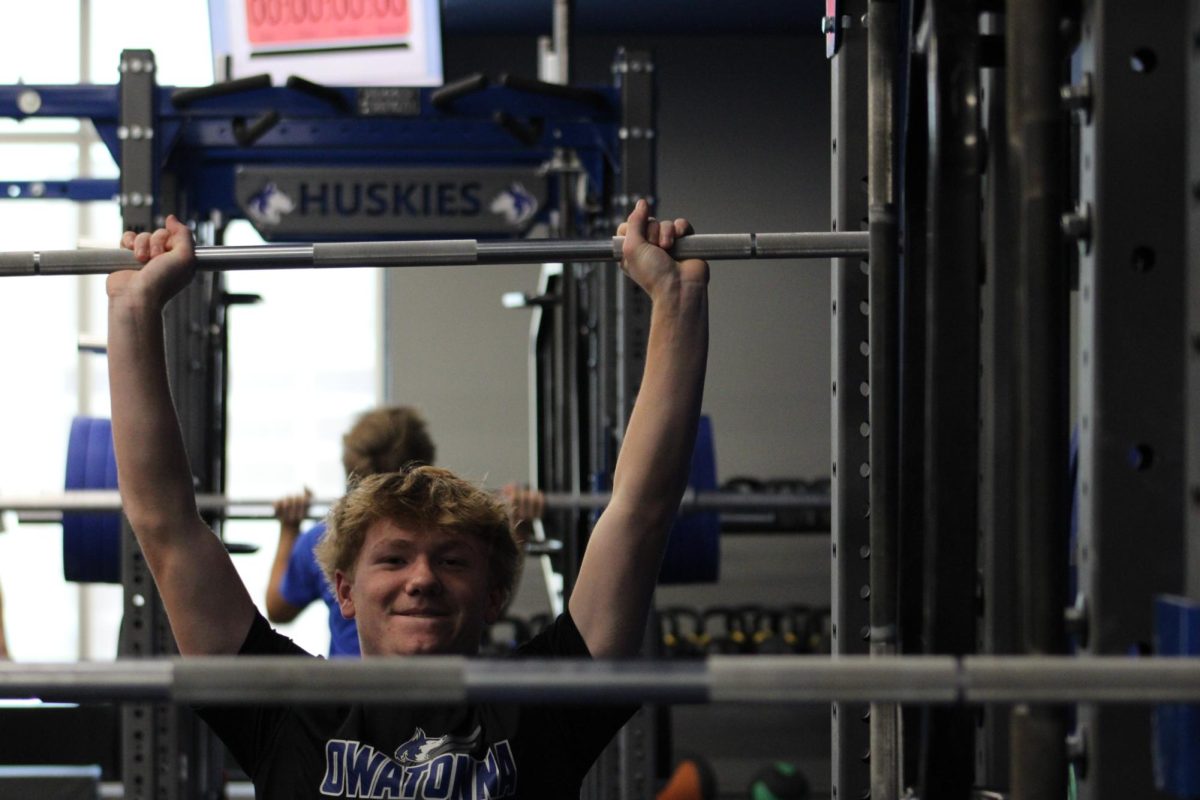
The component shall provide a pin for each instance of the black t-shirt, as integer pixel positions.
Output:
(463, 752)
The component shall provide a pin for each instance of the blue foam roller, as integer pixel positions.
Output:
(693, 552)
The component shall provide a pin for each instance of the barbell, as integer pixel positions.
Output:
(91, 522)
(49, 506)
(447, 252)
(789, 679)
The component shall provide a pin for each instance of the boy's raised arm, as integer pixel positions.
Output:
(612, 594)
(209, 608)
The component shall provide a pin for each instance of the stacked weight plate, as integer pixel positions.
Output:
(91, 539)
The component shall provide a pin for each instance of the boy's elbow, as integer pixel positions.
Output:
(160, 527)
(148, 523)
(645, 512)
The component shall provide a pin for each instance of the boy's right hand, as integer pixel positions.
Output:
(170, 262)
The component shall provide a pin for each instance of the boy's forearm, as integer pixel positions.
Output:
(617, 576)
(209, 608)
(154, 474)
(652, 469)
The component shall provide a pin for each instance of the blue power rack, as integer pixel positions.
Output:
(379, 162)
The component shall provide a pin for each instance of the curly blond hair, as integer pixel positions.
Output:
(422, 497)
(386, 440)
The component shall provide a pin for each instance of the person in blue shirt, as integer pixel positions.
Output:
(385, 439)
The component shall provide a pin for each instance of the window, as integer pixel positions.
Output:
(302, 362)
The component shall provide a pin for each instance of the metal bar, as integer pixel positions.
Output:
(84, 137)
(89, 680)
(733, 523)
(450, 252)
(563, 34)
(884, 291)
(140, 183)
(110, 500)
(1131, 359)
(1192, 271)
(1035, 56)
(998, 473)
(935, 680)
(155, 742)
(850, 548)
(626, 767)
(911, 524)
(952, 379)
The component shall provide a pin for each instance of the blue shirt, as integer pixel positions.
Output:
(303, 582)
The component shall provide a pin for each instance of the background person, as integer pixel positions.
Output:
(381, 440)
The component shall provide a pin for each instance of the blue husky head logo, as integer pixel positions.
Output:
(269, 205)
(420, 748)
(516, 204)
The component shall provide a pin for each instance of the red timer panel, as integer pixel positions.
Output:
(309, 23)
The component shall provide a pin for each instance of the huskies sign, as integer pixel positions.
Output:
(307, 203)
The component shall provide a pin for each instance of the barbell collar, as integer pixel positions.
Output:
(782, 679)
(450, 252)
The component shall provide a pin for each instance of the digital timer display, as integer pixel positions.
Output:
(335, 42)
(314, 23)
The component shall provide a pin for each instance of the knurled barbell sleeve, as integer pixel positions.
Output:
(65, 262)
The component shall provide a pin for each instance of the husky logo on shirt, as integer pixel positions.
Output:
(420, 748)
(422, 767)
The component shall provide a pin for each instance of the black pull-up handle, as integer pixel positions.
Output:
(325, 94)
(517, 83)
(181, 98)
(442, 98)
